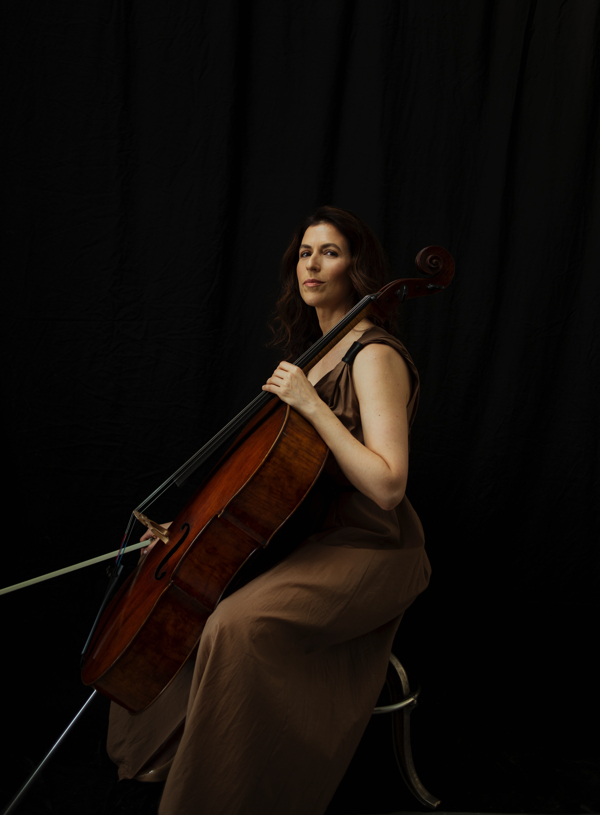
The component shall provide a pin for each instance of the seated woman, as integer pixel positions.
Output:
(289, 666)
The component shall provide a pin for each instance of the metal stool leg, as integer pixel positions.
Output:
(402, 702)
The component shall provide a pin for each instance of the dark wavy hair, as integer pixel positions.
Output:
(295, 325)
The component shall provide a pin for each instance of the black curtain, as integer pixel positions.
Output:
(158, 155)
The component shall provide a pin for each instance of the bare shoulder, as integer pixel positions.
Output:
(379, 368)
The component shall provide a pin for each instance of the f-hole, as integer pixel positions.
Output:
(169, 554)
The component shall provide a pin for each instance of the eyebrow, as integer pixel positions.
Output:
(325, 245)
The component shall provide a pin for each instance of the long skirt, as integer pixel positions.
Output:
(287, 673)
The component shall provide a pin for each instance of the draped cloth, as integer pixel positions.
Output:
(289, 667)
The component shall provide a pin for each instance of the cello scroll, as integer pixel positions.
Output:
(434, 261)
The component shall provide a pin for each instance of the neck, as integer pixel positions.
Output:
(328, 318)
(355, 332)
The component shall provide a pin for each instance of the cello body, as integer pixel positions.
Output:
(154, 622)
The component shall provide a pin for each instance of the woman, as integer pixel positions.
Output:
(290, 666)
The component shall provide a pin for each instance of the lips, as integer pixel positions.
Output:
(312, 283)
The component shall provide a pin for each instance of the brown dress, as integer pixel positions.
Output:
(290, 666)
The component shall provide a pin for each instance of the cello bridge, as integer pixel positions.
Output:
(157, 530)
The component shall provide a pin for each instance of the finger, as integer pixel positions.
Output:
(289, 367)
(150, 546)
(274, 390)
(276, 379)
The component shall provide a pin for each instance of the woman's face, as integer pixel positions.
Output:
(323, 263)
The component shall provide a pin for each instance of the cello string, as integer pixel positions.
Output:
(126, 536)
(243, 416)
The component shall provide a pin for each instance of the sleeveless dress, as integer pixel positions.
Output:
(289, 666)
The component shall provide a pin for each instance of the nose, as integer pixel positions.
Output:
(312, 262)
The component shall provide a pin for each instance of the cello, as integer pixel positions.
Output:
(154, 623)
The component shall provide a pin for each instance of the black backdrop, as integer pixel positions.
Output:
(158, 155)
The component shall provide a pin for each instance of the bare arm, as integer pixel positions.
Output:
(379, 467)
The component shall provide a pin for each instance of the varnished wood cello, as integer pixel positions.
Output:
(154, 622)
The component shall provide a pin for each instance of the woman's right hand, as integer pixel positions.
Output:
(148, 536)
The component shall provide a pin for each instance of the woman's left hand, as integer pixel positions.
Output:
(291, 385)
